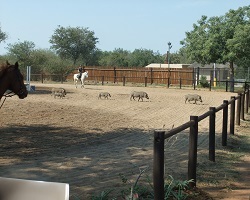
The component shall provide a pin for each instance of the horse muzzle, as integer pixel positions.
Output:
(22, 94)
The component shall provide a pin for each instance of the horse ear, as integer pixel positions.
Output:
(16, 65)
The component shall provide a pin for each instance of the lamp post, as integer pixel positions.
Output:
(169, 47)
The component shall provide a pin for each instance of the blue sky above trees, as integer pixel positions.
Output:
(126, 24)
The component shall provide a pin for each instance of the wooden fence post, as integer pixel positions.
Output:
(146, 81)
(242, 106)
(232, 115)
(123, 80)
(151, 75)
(210, 85)
(212, 134)
(238, 109)
(158, 165)
(249, 96)
(247, 99)
(102, 80)
(42, 77)
(192, 158)
(114, 74)
(198, 75)
(224, 123)
(180, 82)
(168, 82)
(226, 85)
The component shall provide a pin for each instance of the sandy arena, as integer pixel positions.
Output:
(87, 142)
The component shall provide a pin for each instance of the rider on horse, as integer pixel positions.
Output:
(80, 70)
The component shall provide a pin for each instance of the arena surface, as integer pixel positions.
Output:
(87, 142)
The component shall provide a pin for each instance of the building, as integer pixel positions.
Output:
(213, 71)
(160, 65)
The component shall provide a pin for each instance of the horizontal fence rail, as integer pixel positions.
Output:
(161, 135)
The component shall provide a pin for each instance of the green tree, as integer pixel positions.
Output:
(240, 46)
(175, 58)
(3, 35)
(124, 58)
(210, 41)
(74, 43)
(116, 58)
(22, 52)
(46, 61)
(143, 57)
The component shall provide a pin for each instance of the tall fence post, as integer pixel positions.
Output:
(151, 75)
(242, 106)
(168, 82)
(238, 109)
(114, 74)
(224, 123)
(180, 82)
(198, 75)
(210, 85)
(212, 134)
(146, 81)
(192, 158)
(158, 165)
(42, 77)
(226, 85)
(232, 115)
(247, 99)
(102, 80)
(249, 96)
(62, 78)
(123, 80)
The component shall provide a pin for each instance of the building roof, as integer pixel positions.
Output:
(160, 65)
(211, 65)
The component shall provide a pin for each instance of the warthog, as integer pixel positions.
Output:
(106, 95)
(59, 92)
(192, 97)
(140, 95)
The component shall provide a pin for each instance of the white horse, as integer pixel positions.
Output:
(83, 77)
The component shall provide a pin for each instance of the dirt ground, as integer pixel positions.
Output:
(89, 142)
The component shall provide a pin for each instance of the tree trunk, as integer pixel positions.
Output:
(231, 72)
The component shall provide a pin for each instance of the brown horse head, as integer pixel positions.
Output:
(12, 79)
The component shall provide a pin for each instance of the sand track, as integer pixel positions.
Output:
(87, 142)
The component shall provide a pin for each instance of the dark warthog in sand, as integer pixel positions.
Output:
(140, 95)
(106, 95)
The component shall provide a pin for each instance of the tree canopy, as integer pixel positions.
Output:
(123, 58)
(74, 43)
(22, 51)
(218, 39)
(3, 35)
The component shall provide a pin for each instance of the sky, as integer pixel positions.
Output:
(125, 24)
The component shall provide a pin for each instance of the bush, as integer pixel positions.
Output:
(203, 82)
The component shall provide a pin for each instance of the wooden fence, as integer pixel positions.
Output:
(139, 75)
(236, 110)
(147, 76)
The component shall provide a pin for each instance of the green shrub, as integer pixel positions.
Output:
(203, 82)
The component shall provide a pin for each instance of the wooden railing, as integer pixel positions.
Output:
(160, 136)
